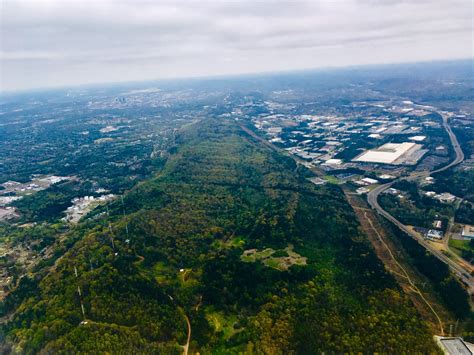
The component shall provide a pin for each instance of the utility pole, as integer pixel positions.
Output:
(123, 211)
(111, 236)
(80, 295)
(123, 205)
(83, 311)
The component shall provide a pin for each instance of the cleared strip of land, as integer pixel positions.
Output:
(394, 261)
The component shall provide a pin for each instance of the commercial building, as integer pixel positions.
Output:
(366, 182)
(333, 162)
(446, 197)
(362, 190)
(434, 234)
(386, 177)
(370, 181)
(317, 181)
(417, 138)
(454, 346)
(468, 231)
(393, 153)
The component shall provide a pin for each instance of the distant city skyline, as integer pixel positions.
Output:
(50, 43)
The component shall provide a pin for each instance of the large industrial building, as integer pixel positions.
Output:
(407, 153)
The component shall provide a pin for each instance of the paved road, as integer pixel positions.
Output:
(372, 198)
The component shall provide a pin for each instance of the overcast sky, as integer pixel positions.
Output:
(68, 42)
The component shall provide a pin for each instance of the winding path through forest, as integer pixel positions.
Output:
(186, 346)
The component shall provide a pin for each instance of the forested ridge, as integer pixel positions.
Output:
(220, 195)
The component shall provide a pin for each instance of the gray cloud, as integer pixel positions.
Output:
(67, 42)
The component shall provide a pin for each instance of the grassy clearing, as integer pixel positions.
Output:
(331, 179)
(184, 275)
(236, 242)
(252, 255)
(277, 259)
(460, 246)
(222, 323)
(161, 273)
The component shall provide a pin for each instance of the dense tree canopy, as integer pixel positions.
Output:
(176, 254)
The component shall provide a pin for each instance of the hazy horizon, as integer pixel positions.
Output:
(156, 81)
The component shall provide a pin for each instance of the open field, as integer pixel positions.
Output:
(276, 259)
(459, 246)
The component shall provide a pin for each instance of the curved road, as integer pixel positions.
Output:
(372, 198)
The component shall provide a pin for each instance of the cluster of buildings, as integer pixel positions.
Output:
(363, 183)
(38, 183)
(6, 200)
(12, 191)
(436, 233)
(383, 140)
(328, 140)
(8, 212)
(444, 197)
(14, 186)
(150, 97)
(83, 205)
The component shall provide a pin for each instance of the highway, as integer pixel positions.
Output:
(372, 198)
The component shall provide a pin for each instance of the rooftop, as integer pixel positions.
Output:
(454, 346)
(468, 231)
(417, 138)
(390, 153)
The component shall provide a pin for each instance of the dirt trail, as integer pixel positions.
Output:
(383, 249)
(186, 346)
(405, 274)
